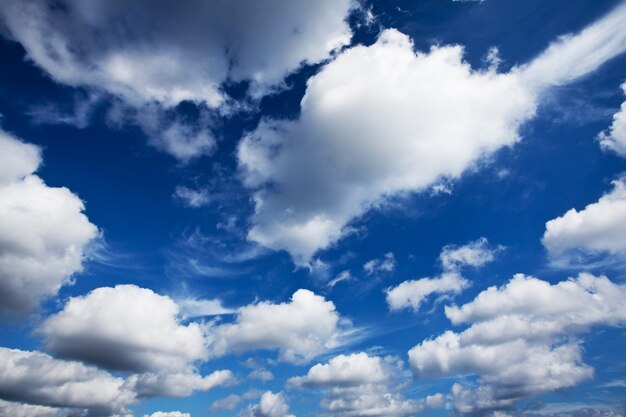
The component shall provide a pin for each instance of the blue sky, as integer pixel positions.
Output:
(333, 208)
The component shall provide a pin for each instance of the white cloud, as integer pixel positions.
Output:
(168, 414)
(16, 409)
(476, 254)
(125, 328)
(38, 379)
(227, 403)
(411, 294)
(386, 264)
(145, 53)
(599, 227)
(521, 340)
(192, 198)
(271, 405)
(342, 276)
(375, 122)
(183, 384)
(300, 329)
(43, 231)
(614, 138)
(344, 370)
(363, 385)
(261, 374)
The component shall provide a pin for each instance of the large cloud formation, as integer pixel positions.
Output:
(598, 228)
(375, 122)
(43, 231)
(132, 329)
(150, 52)
(522, 339)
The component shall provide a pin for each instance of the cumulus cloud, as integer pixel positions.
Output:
(146, 53)
(124, 328)
(270, 405)
(412, 293)
(43, 231)
(521, 339)
(168, 414)
(599, 227)
(300, 329)
(385, 264)
(133, 329)
(38, 379)
(476, 254)
(614, 138)
(362, 385)
(375, 123)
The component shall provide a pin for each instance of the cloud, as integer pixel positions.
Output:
(344, 370)
(14, 409)
(271, 405)
(182, 384)
(598, 228)
(192, 198)
(521, 340)
(37, 379)
(362, 385)
(386, 264)
(614, 138)
(43, 231)
(342, 276)
(227, 403)
(375, 123)
(411, 294)
(154, 58)
(476, 254)
(168, 414)
(124, 328)
(300, 329)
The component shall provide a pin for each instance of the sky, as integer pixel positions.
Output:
(335, 208)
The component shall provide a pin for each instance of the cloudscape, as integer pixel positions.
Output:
(313, 208)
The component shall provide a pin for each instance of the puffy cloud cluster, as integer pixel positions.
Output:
(43, 230)
(521, 340)
(270, 405)
(133, 329)
(375, 122)
(38, 379)
(598, 228)
(385, 264)
(614, 138)
(362, 385)
(300, 329)
(411, 294)
(148, 53)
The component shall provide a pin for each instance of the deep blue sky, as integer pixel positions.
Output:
(151, 238)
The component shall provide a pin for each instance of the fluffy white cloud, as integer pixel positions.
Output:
(614, 138)
(599, 227)
(38, 379)
(375, 122)
(300, 329)
(522, 338)
(476, 254)
(125, 328)
(271, 405)
(344, 370)
(411, 294)
(183, 384)
(168, 414)
(15, 409)
(363, 385)
(386, 264)
(43, 231)
(146, 53)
